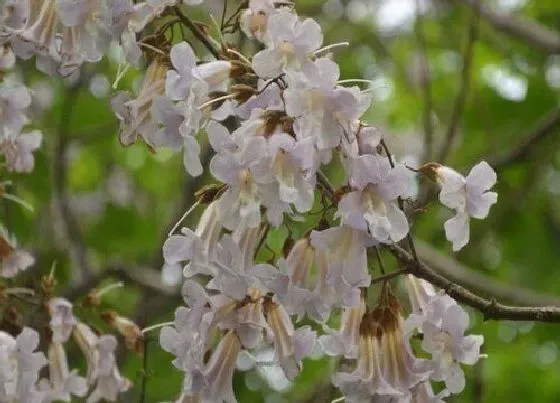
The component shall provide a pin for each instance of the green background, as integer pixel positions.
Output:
(125, 200)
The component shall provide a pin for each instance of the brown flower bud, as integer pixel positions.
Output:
(131, 332)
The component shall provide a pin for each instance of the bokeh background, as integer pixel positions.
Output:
(460, 81)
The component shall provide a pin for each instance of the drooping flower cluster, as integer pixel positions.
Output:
(273, 122)
(63, 34)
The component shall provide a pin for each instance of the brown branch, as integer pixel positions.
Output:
(425, 84)
(390, 276)
(547, 125)
(201, 36)
(479, 282)
(490, 308)
(323, 181)
(526, 30)
(459, 104)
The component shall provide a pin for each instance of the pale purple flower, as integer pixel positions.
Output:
(7, 58)
(372, 207)
(14, 101)
(136, 114)
(253, 20)
(12, 259)
(443, 324)
(219, 371)
(178, 81)
(240, 165)
(269, 97)
(386, 369)
(62, 319)
(345, 250)
(345, 341)
(20, 366)
(18, 150)
(290, 345)
(127, 19)
(187, 340)
(290, 42)
(63, 383)
(198, 248)
(292, 170)
(110, 383)
(171, 134)
(87, 341)
(322, 110)
(469, 197)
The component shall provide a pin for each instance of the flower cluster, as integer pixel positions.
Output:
(273, 122)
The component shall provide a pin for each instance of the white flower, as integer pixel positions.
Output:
(290, 345)
(12, 259)
(20, 366)
(136, 114)
(219, 370)
(172, 135)
(18, 150)
(345, 250)
(178, 82)
(345, 341)
(199, 248)
(372, 206)
(253, 20)
(322, 110)
(62, 319)
(443, 324)
(14, 100)
(63, 382)
(87, 341)
(186, 340)
(290, 42)
(469, 197)
(386, 369)
(109, 381)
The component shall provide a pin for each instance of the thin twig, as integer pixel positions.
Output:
(389, 276)
(400, 200)
(197, 32)
(459, 104)
(325, 184)
(143, 394)
(490, 308)
(380, 261)
(425, 85)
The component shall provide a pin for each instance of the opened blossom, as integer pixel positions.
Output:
(469, 197)
(372, 207)
(290, 43)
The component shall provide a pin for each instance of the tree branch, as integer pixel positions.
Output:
(476, 281)
(201, 36)
(526, 30)
(491, 309)
(547, 125)
(464, 87)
